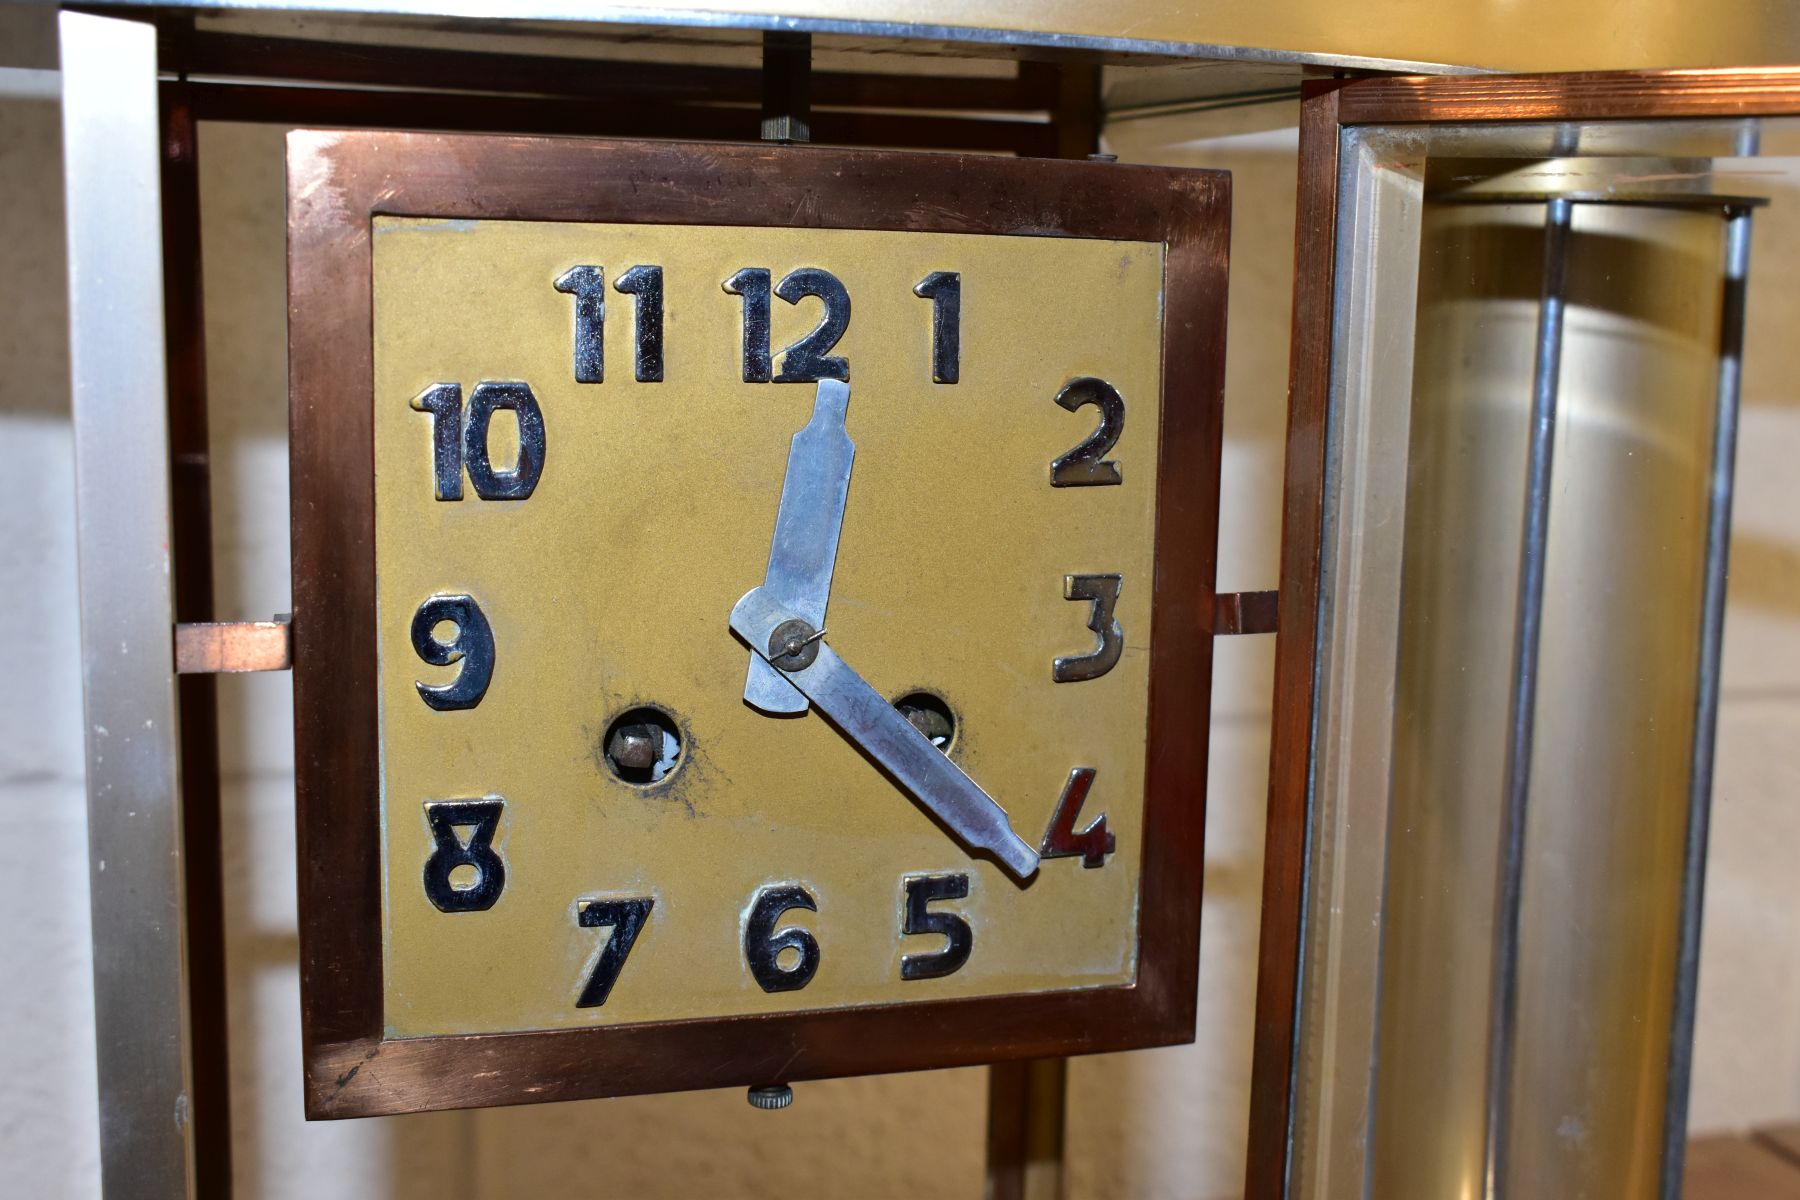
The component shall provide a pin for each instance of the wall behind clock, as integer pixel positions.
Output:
(1151, 1125)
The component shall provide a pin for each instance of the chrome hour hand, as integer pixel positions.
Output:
(804, 548)
(794, 646)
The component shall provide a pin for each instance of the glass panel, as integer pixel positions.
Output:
(1443, 257)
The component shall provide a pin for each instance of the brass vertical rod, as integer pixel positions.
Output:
(1527, 632)
(1026, 1105)
(1706, 703)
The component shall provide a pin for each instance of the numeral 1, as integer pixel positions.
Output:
(646, 283)
(752, 283)
(1092, 844)
(626, 920)
(921, 890)
(944, 290)
(588, 286)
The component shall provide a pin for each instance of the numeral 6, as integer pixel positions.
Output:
(763, 946)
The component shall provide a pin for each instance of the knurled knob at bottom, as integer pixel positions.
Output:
(771, 1096)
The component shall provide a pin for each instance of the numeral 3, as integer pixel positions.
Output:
(1101, 591)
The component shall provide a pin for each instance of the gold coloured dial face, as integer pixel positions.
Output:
(582, 434)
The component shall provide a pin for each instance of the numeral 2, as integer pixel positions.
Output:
(809, 359)
(1101, 591)
(1087, 465)
(481, 818)
(588, 286)
(921, 890)
(473, 644)
(626, 920)
(763, 946)
(456, 444)
(1092, 844)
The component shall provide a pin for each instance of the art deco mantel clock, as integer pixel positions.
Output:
(754, 610)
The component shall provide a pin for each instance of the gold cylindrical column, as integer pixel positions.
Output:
(1614, 714)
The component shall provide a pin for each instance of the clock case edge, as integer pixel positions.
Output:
(337, 183)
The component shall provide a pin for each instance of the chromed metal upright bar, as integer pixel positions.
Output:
(1706, 699)
(112, 164)
(1527, 632)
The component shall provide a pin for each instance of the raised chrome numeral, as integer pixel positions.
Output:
(1092, 844)
(588, 286)
(481, 818)
(472, 644)
(518, 483)
(457, 445)
(1102, 592)
(444, 402)
(944, 290)
(1087, 465)
(626, 920)
(959, 939)
(809, 359)
(752, 283)
(646, 283)
(763, 946)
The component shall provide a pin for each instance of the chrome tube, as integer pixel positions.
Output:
(1562, 1095)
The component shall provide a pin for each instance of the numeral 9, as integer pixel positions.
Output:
(472, 644)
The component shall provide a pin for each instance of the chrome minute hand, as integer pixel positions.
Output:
(804, 549)
(785, 640)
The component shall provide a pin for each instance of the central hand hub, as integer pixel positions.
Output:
(794, 646)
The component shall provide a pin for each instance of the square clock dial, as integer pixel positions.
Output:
(752, 610)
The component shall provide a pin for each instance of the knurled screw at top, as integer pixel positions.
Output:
(771, 1096)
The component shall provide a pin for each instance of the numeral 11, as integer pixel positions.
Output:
(588, 286)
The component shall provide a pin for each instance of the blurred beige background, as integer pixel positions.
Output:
(1168, 1123)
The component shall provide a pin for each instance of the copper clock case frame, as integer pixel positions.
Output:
(337, 183)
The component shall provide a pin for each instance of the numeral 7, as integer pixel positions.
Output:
(626, 919)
